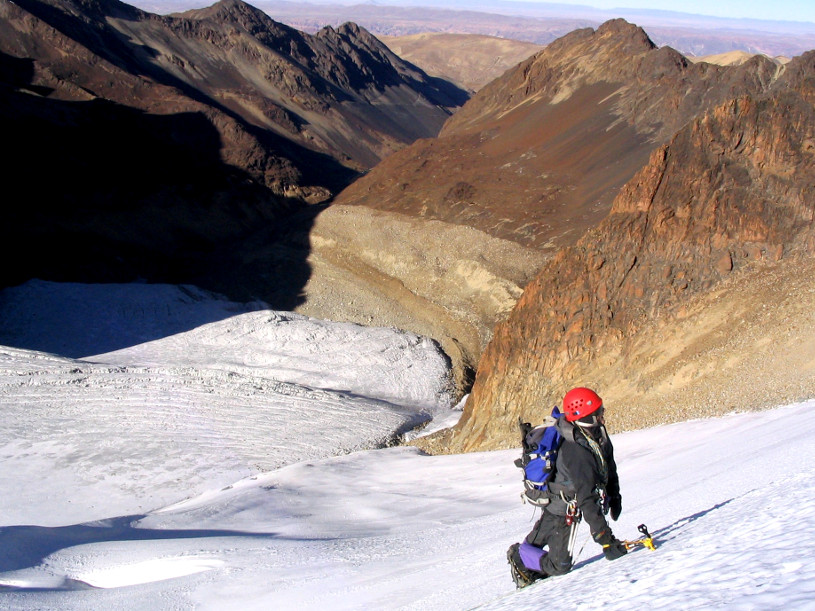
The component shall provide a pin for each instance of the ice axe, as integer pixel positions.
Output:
(645, 541)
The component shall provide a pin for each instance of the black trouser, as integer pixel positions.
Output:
(553, 531)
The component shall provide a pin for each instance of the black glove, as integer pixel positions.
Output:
(616, 507)
(615, 549)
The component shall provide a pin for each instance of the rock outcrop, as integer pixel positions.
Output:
(728, 199)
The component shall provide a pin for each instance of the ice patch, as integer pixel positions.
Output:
(149, 571)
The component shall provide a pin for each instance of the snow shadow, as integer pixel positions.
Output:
(667, 533)
(664, 534)
(23, 547)
(76, 320)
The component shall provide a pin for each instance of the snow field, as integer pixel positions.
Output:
(232, 466)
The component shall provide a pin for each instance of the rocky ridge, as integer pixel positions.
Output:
(538, 155)
(345, 92)
(707, 249)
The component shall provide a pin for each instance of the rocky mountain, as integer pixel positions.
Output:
(632, 220)
(342, 88)
(538, 155)
(533, 160)
(693, 297)
(152, 146)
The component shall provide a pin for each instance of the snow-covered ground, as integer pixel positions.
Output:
(233, 465)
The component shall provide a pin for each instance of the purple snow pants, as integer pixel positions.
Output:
(531, 556)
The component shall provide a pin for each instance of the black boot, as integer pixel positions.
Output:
(521, 575)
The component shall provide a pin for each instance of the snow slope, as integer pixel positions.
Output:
(187, 473)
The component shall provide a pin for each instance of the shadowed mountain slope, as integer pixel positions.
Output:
(319, 91)
(153, 147)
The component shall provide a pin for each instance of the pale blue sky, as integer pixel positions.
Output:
(789, 10)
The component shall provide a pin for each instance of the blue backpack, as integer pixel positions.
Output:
(540, 446)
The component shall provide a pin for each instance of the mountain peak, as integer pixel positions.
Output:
(349, 29)
(257, 23)
(228, 10)
(238, 6)
(620, 28)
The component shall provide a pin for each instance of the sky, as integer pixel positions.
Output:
(782, 10)
(235, 465)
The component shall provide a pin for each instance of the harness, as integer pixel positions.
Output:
(573, 514)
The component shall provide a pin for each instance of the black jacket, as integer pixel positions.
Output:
(580, 475)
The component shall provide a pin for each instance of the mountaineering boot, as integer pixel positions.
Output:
(521, 575)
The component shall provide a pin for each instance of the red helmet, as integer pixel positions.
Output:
(580, 402)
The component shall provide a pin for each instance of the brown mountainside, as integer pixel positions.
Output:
(538, 155)
(692, 298)
(340, 89)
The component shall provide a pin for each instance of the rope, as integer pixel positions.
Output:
(573, 536)
(598, 454)
(577, 557)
